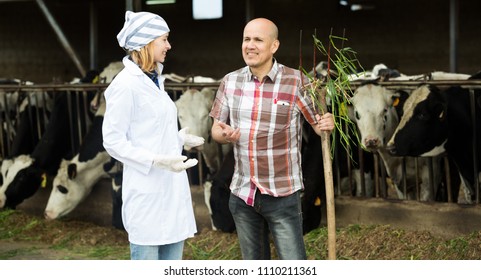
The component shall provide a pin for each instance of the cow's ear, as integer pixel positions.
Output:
(72, 171)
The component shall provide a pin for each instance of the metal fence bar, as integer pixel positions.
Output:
(175, 90)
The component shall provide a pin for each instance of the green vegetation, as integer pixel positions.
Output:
(28, 237)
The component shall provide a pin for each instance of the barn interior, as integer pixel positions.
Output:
(55, 41)
(45, 41)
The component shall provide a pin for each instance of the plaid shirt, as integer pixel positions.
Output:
(268, 113)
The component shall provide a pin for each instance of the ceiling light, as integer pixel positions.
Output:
(159, 2)
(207, 9)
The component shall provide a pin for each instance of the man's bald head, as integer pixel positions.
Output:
(264, 25)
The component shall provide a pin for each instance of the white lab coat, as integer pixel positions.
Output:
(141, 121)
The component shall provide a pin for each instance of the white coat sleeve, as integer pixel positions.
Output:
(117, 118)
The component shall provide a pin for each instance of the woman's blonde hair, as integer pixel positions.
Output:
(145, 58)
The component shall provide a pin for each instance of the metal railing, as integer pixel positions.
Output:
(10, 108)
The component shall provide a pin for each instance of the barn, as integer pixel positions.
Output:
(55, 41)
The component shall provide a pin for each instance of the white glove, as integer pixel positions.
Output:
(174, 163)
(190, 140)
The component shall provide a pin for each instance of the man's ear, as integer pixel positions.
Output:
(275, 46)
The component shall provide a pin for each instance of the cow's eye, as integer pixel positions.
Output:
(357, 116)
(62, 189)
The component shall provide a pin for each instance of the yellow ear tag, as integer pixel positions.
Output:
(44, 180)
(395, 102)
(317, 202)
(343, 109)
(95, 80)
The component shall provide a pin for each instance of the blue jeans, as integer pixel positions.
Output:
(281, 216)
(157, 252)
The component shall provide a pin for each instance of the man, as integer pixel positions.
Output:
(258, 108)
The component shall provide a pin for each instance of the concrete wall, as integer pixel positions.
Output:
(412, 36)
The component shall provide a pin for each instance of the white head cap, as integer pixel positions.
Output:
(140, 29)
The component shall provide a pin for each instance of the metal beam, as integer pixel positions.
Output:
(133, 5)
(94, 46)
(129, 5)
(58, 31)
(453, 35)
(249, 11)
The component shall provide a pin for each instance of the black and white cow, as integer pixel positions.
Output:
(8, 109)
(33, 111)
(54, 145)
(436, 121)
(23, 116)
(76, 177)
(376, 113)
(193, 108)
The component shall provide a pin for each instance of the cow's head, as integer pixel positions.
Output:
(193, 108)
(423, 129)
(9, 170)
(66, 192)
(374, 112)
(26, 181)
(73, 183)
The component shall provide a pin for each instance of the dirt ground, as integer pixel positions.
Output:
(28, 236)
(23, 237)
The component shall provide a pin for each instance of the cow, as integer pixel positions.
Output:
(23, 115)
(76, 177)
(438, 121)
(115, 170)
(314, 193)
(33, 111)
(353, 166)
(374, 111)
(193, 108)
(188, 79)
(57, 142)
(216, 195)
(8, 106)
(109, 72)
(380, 72)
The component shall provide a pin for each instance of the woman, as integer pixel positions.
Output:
(140, 130)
